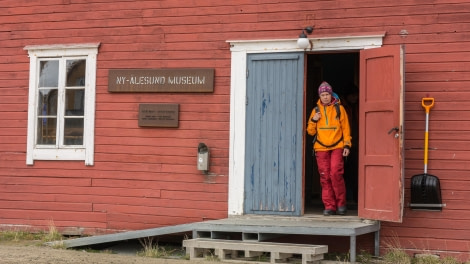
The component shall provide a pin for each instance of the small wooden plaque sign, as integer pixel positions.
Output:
(158, 115)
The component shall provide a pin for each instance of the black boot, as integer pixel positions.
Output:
(342, 210)
(329, 212)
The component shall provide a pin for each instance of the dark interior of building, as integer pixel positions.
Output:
(341, 71)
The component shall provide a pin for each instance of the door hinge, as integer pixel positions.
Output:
(247, 73)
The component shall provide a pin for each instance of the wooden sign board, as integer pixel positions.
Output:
(161, 80)
(158, 115)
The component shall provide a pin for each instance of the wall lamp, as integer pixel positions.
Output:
(303, 42)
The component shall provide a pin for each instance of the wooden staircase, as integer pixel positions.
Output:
(242, 251)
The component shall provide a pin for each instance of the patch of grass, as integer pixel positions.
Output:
(428, 259)
(396, 256)
(340, 257)
(451, 260)
(152, 250)
(53, 234)
(25, 236)
(365, 257)
(19, 235)
(58, 245)
(395, 253)
(264, 258)
(210, 256)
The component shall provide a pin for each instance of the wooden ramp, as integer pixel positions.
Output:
(253, 228)
(129, 235)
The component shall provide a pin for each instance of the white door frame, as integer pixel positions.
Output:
(239, 50)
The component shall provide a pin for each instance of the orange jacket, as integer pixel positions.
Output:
(328, 129)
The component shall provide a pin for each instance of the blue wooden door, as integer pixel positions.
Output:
(274, 134)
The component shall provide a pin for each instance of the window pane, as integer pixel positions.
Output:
(47, 102)
(46, 131)
(73, 131)
(76, 72)
(74, 102)
(49, 73)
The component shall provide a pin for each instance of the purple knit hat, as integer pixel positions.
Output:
(325, 87)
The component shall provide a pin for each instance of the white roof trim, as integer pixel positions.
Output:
(63, 46)
(353, 41)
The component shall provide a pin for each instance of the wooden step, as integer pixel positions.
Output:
(237, 250)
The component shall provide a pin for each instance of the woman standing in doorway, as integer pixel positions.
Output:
(329, 124)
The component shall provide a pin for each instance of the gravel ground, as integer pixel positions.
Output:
(35, 253)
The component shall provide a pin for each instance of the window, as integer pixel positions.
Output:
(61, 112)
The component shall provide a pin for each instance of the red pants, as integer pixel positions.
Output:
(331, 169)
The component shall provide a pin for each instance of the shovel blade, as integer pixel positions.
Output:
(426, 191)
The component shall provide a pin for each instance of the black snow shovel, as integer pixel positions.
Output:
(425, 188)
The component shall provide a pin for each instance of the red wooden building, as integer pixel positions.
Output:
(74, 154)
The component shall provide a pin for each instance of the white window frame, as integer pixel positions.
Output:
(87, 51)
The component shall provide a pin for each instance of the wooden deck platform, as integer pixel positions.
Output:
(260, 228)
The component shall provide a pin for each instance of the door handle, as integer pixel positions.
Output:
(396, 131)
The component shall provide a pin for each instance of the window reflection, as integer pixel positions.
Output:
(76, 72)
(74, 102)
(47, 117)
(46, 133)
(73, 131)
(47, 102)
(49, 73)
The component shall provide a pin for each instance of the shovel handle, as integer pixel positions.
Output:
(427, 103)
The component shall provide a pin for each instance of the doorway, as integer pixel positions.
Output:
(341, 71)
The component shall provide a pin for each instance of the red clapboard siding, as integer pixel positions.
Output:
(65, 227)
(147, 177)
(200, 186)
(47, 206)
(35, 181)
(137, 211)
(61, 193)
(47, 216)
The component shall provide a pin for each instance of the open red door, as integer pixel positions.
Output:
(381, 172)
